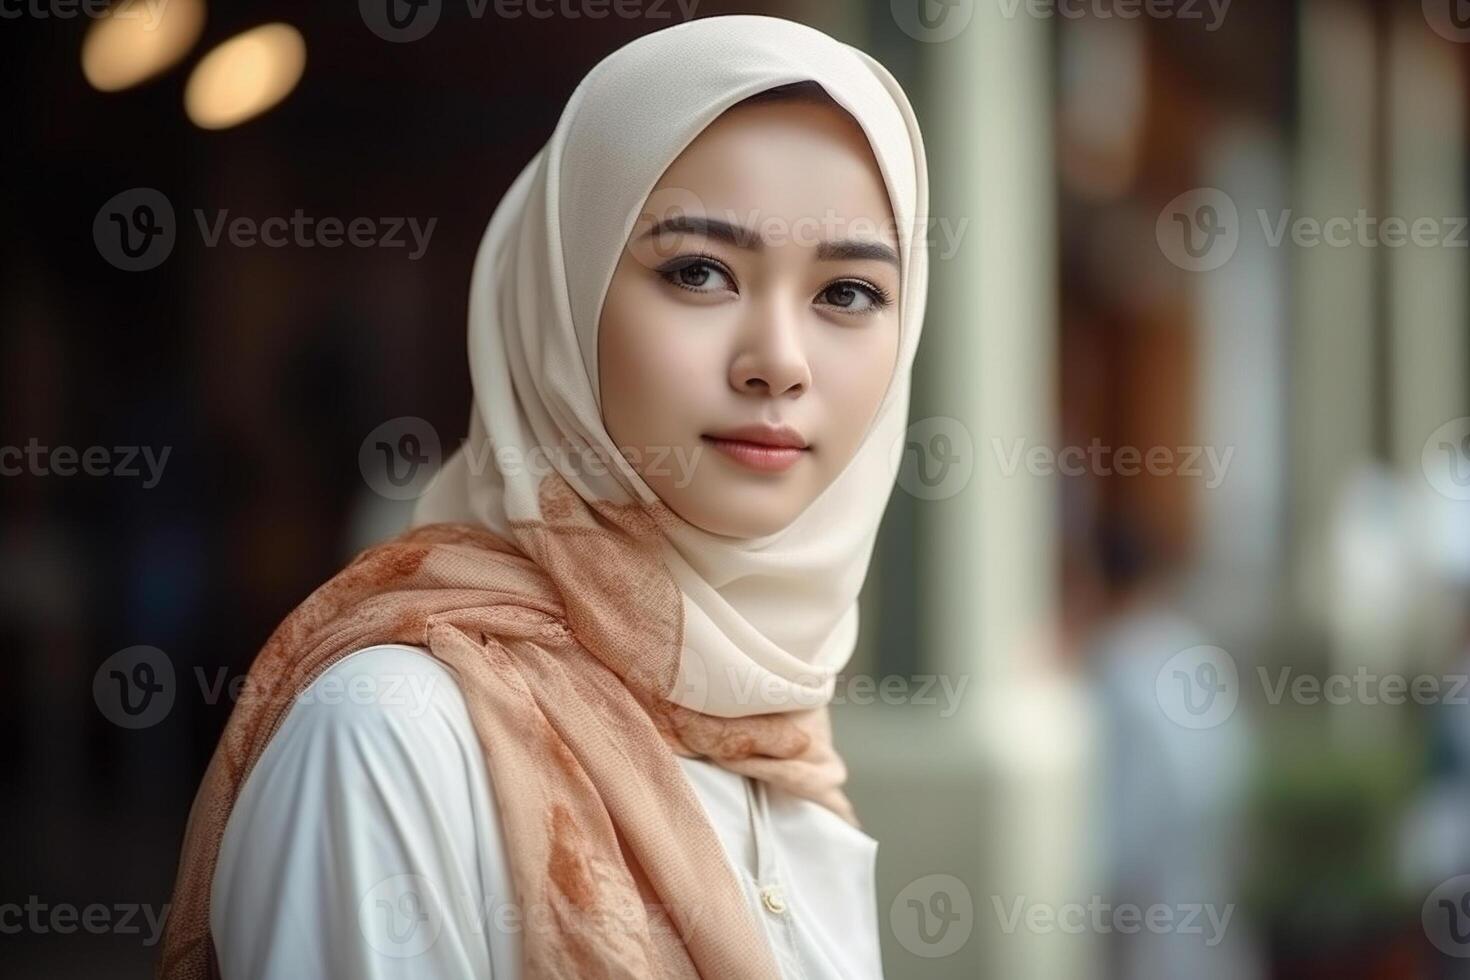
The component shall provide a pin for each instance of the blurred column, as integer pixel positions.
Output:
(1426, 282)
(1243, 312)
(990, 579)
(1426, 305)
(1333, 382)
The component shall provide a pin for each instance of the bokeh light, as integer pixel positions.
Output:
(135, 42)
(245, 76)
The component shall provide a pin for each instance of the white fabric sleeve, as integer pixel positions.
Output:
(366, 843)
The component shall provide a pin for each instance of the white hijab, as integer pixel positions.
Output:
(768, 622)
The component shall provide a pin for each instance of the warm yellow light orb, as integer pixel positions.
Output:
(135, 41)
(245, 76)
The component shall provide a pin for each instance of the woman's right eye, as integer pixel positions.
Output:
(697, 275)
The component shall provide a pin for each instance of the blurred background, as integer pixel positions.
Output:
(1172, 603)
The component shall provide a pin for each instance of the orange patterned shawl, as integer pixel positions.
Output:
(618, 871)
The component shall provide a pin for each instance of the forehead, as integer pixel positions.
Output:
(783, 161)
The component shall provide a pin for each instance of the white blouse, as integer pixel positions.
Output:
(366, 843)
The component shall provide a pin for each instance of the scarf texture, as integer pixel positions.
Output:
(593, 632)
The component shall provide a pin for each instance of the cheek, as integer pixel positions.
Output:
(658, 370)
(857, 372)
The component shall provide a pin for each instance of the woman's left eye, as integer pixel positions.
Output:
(855, 296)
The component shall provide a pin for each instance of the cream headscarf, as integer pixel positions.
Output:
(768, 622)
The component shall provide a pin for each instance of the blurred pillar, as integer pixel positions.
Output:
(1426, 282)
(989, 577)
(1243, 316)
(1428, 352)
(1332, 360)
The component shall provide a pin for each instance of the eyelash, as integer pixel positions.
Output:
(877, 294)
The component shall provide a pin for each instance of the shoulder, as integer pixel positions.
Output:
(374, 778)
(390, 691)
(382, 717)
(382, 739)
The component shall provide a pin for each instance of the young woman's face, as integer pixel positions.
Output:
(773, 320)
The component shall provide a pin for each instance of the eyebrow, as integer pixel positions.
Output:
(742, 237)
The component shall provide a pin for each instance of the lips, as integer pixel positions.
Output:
(783, 436)
(768, 449)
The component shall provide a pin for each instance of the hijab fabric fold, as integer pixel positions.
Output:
(593, 632)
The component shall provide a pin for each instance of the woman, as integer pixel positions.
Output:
(573, 722)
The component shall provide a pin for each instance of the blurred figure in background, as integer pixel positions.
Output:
(1172, 795)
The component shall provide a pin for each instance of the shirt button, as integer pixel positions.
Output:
(772, 900)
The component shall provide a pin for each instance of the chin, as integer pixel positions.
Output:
(737, 512)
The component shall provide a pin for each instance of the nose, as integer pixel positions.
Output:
(770, 359)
